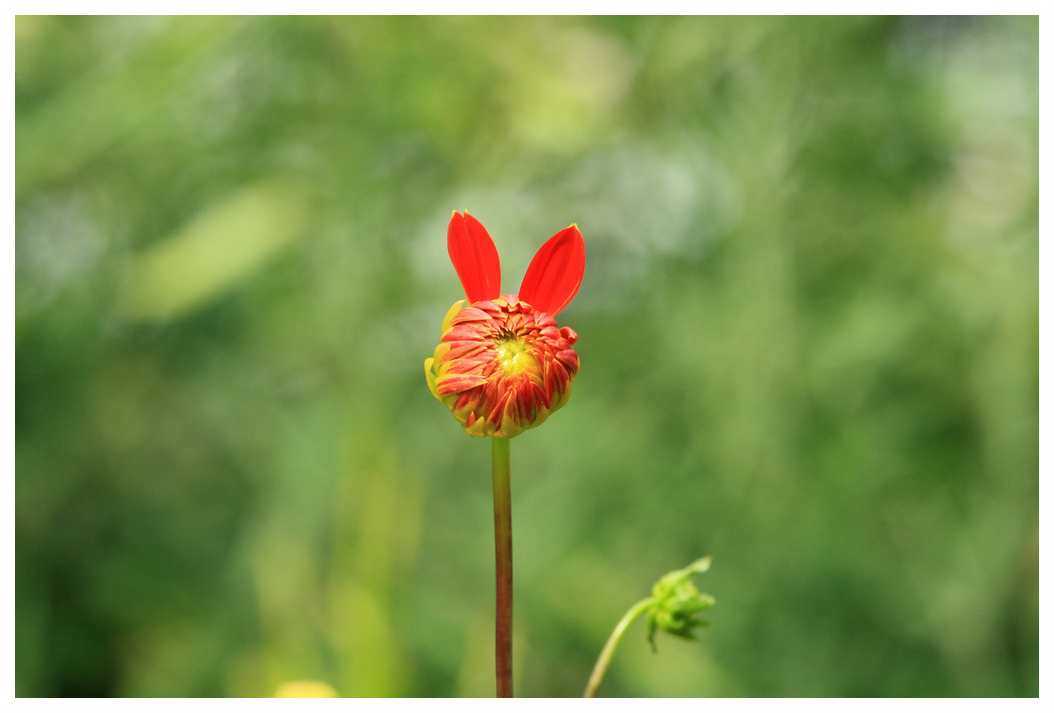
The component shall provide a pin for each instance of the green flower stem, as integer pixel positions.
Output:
(612, 643)
(503, 566)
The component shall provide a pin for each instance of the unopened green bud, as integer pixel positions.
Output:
(677, 603)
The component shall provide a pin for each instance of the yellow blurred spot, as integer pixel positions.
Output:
(216, 249)
(305, 689)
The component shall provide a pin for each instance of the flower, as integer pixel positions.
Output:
(502, 364)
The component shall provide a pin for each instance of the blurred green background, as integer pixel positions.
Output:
(809, 343)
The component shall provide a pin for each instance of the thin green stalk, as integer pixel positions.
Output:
(503, 566)
(612, 643)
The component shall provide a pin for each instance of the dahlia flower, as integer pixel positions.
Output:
(503, 364)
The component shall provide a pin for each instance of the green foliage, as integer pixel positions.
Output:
(808, 331)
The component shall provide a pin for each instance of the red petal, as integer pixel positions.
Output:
(475, 258)
(454, 383)
(555, 273)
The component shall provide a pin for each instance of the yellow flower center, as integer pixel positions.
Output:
(514, 356)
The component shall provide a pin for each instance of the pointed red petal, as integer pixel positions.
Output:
(555, 273)
(475, 258)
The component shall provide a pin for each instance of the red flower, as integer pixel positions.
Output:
(503, 365)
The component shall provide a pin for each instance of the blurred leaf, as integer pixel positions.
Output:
(217, 249)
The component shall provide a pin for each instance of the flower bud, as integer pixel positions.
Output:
(502, 366)
(678, 602)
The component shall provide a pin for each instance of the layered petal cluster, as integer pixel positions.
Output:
(502, 367)
(503, 364)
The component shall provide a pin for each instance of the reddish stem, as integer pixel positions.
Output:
(503, 567)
